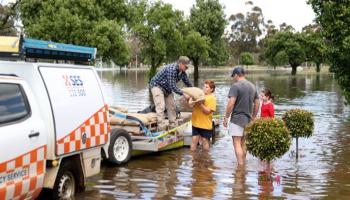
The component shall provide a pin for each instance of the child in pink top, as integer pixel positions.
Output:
(267, 108)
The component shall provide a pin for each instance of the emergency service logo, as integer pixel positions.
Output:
(13, 176)
(74, 85)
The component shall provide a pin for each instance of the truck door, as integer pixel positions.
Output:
(22, 142)
(78, 107)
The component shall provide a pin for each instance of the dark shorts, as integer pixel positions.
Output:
(202, 132)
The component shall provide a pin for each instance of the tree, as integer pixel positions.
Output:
(246, 30)
(291, 44)
(333, 16)
(8, 15)
(286, 28)
(196, 48)
(270, 30)
(315, 46)
(246, 59)
(160, 34)
(208, 18)
(81, 22)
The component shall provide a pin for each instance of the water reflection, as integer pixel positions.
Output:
(239, 187)
(204, 184)
(322, 173)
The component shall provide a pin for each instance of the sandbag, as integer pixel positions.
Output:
(119, 121)
(195, 93)
(152, 117)
(119, 109)
(139, 116)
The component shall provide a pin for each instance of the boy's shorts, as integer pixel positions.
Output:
(235, 130)
(202, 132)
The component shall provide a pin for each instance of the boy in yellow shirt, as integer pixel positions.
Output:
(202, 116)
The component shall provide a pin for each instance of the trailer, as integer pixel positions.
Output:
(146, 138)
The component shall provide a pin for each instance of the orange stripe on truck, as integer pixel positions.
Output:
(92, 132)
(25, 185)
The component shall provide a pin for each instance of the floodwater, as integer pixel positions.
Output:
(321, 172)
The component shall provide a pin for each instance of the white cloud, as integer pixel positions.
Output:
(4, 2)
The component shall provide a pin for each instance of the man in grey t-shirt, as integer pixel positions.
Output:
(242, 107)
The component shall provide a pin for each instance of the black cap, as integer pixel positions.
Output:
(237, 71)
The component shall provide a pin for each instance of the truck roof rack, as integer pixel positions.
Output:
(25, 48)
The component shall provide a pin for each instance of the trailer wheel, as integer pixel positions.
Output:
(65, 184)
(120, 147)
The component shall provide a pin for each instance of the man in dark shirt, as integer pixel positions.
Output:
(163, 84)
(242, 107)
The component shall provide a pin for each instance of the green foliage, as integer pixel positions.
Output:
(81, 22)
(208, 18)
(281, 58)
(267, 138)
(160, 34)
(299, 122)
(292, 46)
(246, 59)
(315, 45)
(333, 16)
(8, 16)
(196, 48)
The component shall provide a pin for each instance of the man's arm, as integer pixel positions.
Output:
(256, 108)
(172, 82)
(230, 105)
(186, 81)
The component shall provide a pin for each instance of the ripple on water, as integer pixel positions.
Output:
(320, 172)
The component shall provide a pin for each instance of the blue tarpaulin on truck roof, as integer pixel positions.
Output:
(46, 49)
(41, 44)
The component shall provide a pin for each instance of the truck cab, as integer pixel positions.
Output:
(53, 120)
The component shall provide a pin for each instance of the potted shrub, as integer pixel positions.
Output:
(300, 123)
(267, 138)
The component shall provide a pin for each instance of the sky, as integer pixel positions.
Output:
(294, 12)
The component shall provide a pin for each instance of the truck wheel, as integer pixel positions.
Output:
(120, 147)
(65, 184)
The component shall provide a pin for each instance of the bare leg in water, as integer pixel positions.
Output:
(240, 149)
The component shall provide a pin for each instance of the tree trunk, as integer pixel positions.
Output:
(294, 70)
(196, 72)
(318, 67)
(153, 69)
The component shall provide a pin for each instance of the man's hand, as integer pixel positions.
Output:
(186, 96)
(225, 122)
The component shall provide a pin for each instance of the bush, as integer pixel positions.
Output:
(246, 59)
(299, 122)
(267, 138)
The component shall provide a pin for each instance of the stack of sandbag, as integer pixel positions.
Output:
(131, 125)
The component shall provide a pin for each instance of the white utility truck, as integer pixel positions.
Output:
(54, 125)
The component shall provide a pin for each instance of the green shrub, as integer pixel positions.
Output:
(246, 58)
(267, 138)
(299, 122)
